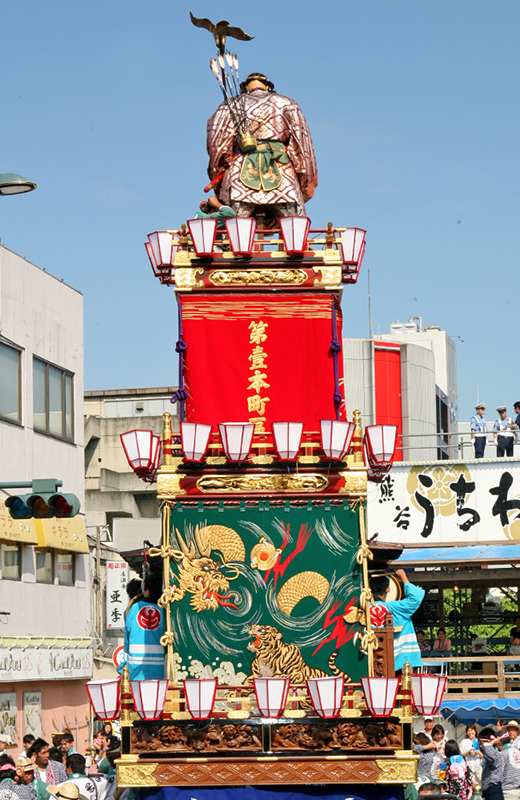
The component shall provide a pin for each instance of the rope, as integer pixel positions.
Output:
(364, 552)
(165, 551)
(368, 640)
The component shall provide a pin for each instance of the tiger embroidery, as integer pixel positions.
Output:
(275, 658)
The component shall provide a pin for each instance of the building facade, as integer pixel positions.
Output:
(45, 583)
(122, 511)
(408, 378)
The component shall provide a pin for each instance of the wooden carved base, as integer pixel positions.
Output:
(267, 771)
(250, 737)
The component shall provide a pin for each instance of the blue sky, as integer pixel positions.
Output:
(414, 112)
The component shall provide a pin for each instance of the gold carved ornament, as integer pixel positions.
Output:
(139, 774)
(168, 485)
(257, 277)
(330, 277)
(397, 771)
(262, 483)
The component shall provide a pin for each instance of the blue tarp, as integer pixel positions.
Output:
(352, 791)
(484, 712)
(427, 556)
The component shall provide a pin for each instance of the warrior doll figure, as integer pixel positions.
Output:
(278, 169)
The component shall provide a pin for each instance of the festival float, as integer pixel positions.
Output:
(279, 673)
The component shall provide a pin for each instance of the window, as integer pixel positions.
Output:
(10, 383)
(52, 400)
(66, 569)
(44, 570)
(11, 558)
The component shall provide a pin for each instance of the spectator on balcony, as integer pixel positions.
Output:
(503, 431)
(514, 632)
(478, 427)
(514, 649)
(424, 644)
(442, 644)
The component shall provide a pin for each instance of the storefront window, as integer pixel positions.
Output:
(44, 570)
(11, 559)
(66, 569)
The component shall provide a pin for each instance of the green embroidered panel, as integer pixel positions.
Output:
(262, 590)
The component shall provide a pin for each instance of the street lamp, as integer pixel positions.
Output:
(10, 183)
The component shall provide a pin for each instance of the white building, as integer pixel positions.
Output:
(45, 583)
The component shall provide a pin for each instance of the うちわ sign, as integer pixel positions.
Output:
(449, 503)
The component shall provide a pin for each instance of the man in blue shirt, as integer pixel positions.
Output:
(479, 430)
(406, 647)
(503, 432)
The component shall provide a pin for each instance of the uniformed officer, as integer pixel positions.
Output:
(479, 430)
(503, 431)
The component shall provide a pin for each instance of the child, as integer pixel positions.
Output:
(455, 772)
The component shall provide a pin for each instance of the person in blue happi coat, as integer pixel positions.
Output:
(406, 648)
(144, 627)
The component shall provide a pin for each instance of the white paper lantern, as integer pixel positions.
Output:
(380, 695)
(241, 232)
(194, 438)
(353, 245)
(200, 696)
(271, 695)
(427, 693)
(326, 695)
(149, 697)
(287, 438)
(203, 232)
(236, 439)
(139, 449)
(295, 231)
(336, 437)
(381, 440)
(105, 697)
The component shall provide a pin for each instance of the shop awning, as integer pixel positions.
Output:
(13, 531)
(68, 535)
(440, 556)
(483, 712)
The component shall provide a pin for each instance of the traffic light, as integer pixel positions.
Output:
(43, 502)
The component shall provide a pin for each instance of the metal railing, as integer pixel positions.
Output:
(454, 444)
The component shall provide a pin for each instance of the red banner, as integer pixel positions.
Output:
(260, 358)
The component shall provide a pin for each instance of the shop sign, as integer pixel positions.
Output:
(32, 713)
(8, 711)
(447, 503)
(42, 663)
(117, 599)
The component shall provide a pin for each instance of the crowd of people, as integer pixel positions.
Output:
(44, 771)
(487, 760)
